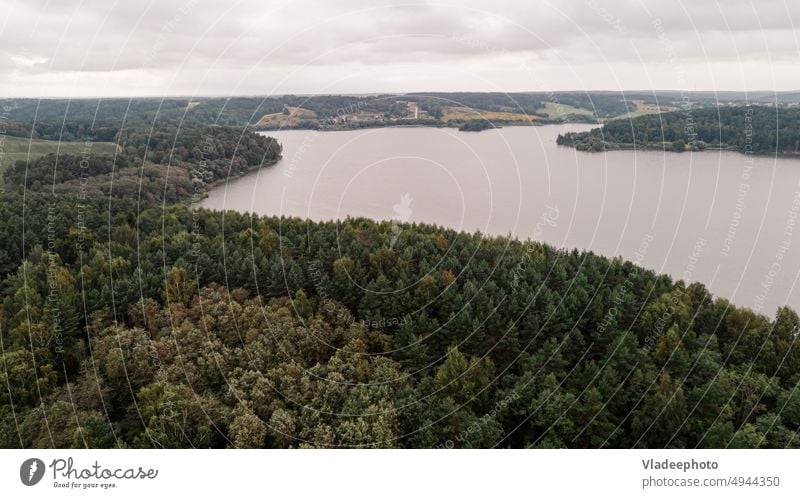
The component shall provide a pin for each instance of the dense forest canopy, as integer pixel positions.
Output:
(167, 164)
(135, 326)
(749, 129)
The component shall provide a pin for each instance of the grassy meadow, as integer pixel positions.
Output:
(13, 149)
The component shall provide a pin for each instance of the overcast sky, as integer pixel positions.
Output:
(265, 47)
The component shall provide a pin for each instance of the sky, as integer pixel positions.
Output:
(104, 48)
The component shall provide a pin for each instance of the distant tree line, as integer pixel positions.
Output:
(104, 119)
(754, 129)
(531, 103)
(167, 164)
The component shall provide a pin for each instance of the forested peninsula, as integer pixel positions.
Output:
(746, 129)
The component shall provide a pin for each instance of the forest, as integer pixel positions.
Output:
(106, 119)
(130, 323)
(166, 164)
(746, 129)
(131, 320)
(103, 119)
(51, 115)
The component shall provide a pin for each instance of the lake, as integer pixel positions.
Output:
(722, 218)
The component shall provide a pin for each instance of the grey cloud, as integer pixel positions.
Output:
(179, 41)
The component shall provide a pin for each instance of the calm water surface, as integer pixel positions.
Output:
(724, 219)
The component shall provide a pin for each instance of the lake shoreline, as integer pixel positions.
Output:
(503, 182)
(615, 147)
(453, 125)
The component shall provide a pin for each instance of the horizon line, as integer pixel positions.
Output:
(372, 94)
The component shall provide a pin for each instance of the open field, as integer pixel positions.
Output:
(555, 111)
(467, 114)
(299, 111)
(293, 118)
(13, 149)
(643, 109)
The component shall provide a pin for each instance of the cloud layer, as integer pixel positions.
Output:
(188, 47)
